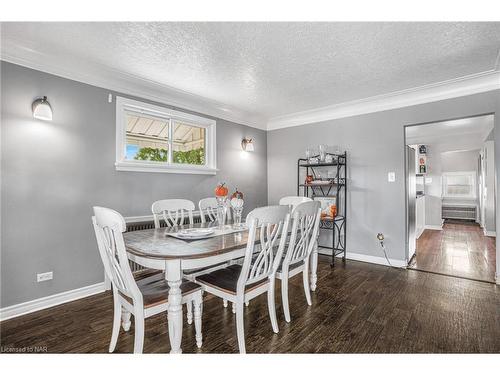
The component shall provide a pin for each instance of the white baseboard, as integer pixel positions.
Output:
(367, 258)
(434, 227)
(490, 233)
(419, 233)
(49, 301)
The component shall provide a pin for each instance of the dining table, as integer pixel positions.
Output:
(158, 249)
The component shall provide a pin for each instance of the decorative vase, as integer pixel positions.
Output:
(237, 205)
(322, 153)
(221, 210)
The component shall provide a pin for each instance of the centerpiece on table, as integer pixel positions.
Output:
(221, 192)
(237, 205)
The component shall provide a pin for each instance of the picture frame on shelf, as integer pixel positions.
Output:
(326, 202)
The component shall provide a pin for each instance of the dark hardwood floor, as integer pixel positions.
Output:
(358, 308)
(460, 249)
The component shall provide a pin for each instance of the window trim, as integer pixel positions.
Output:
(472, 174)
(122, 164)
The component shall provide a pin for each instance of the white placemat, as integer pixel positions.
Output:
(218, 231)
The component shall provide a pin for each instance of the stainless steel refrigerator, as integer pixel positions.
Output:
(411, 190)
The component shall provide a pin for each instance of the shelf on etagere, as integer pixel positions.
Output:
(311, 165)
(341, 183)
(329, 218)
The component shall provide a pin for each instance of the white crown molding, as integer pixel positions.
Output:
(473, 84)
(127, 84)
(50, 301)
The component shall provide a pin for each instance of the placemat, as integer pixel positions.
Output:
(218, 231)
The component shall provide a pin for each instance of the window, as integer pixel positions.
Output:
(156, 139)
(459, 185)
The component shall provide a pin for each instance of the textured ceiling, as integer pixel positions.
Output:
(462, 134)
(271, 69)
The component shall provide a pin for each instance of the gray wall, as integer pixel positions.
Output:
(54, 172)
(375, 146)
(460, 161)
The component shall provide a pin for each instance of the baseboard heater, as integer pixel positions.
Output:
(456, 211)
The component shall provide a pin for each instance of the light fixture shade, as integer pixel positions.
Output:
(247, 144)
(42, 109)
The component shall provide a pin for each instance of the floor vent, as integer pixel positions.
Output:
(459, 212)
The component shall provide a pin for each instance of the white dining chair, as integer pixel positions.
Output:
(241, 283)
(305, 229)
(293, 201)
(173, 211)
(142, 298)
(208, 209)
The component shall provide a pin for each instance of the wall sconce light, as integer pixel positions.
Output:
(247, 144)
(42, 109)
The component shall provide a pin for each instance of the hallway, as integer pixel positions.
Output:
(460, 249)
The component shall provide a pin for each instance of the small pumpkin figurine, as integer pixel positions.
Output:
(221, 190)
(237, 194)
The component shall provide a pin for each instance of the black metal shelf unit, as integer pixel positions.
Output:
(336, 187)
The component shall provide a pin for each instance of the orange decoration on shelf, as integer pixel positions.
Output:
(221, 190)
(333, 210)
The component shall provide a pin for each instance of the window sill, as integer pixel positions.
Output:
(127, 166)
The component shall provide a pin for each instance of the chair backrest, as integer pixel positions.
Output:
(269, 225)
(208, 209)
(109, 226)
(173, 211)
(305, 229)
(293, 201)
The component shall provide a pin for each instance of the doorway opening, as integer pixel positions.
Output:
(450, 200)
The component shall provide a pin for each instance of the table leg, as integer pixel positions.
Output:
(314, 267)
(173, 276)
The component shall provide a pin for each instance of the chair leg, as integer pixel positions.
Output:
(116, 323)
(198, 305)
(307, 291)
(139, 330)
(271, 306)
(240, 327)
(284, 297)
(125, 319)
(224, 302)
(314, 266)
(189, 314)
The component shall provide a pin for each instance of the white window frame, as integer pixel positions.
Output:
(459, 196)
(122, 164)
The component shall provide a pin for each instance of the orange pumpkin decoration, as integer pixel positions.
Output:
(237, 194)
(221, 190)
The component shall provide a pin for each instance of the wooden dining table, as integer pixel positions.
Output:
(156, 249)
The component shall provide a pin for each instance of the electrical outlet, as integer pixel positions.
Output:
(391, 176)
(44, 276)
